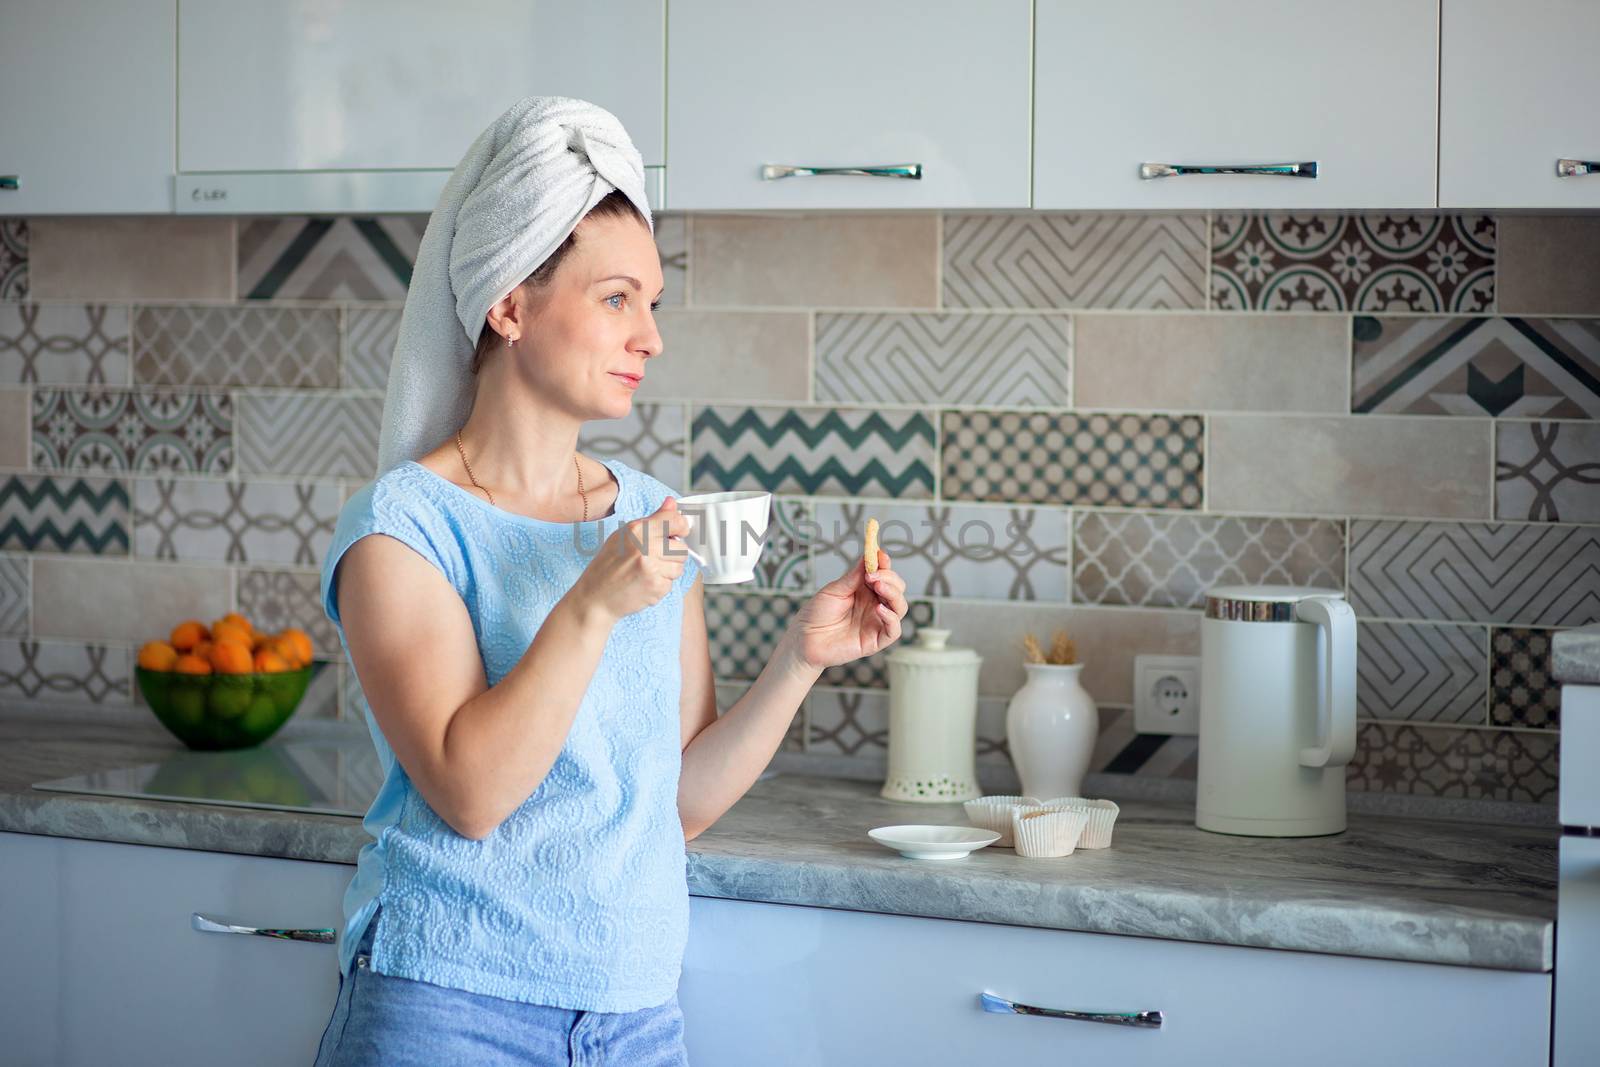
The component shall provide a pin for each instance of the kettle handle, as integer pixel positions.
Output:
(1336, 704)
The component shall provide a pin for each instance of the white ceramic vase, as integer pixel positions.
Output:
(1051, 725)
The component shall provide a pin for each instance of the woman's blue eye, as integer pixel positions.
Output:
(616, 296)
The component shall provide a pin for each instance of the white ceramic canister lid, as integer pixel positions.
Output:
(930, 650)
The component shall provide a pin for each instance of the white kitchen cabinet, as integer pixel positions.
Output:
(839, 84)
(86, 122)
(100, 964)
(367, 105)
(1517, 94)
(795, 987)
(1350, 86)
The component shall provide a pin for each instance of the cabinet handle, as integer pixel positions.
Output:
(1576, 168)
(774, 171)
(1177, 170)
(10, 181)
(1148, 1020)
(212, 926)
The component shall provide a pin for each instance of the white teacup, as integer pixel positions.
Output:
(727, 534)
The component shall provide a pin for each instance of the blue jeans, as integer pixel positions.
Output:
(379, 1019)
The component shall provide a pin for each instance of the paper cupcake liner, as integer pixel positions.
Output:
(1043, 833)
(1102, 817)
(994, 813)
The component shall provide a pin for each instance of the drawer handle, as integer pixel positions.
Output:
(10, 181)
(1576, 168)
(1148, 1020)
(774, 171)
(1178, 170)
(212, 926)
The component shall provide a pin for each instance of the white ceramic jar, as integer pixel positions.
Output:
(933, 715)
(1052, 724)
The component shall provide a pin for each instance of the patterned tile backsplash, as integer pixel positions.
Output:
(1061, 420)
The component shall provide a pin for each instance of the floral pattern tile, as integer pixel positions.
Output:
(1017, 553)
(1424, 673)
(1291, 262)
(1547, 471)
(369, 340)
(1476, 366)
(274, 599)
(1479, 764)
(13, 259)
(58, 344)
(323, 435)
(234, 522)
(41, 513)
(813, 451)
(65, 672)
(651, 438)
(347, 258)
(1169, 561)
(282, 347)
(1092, 260)
(97, 429)
(1511, 573)
(14, 593)
(1149, 461)
(1523, 691)
(956, 358)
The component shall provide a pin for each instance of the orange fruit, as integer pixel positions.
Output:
(187, 634)
(203, 650)
(157, 656)
(269, 662)
(300, 642)
(191, 664)
(232, 657)
(223, 630)
(239, 620)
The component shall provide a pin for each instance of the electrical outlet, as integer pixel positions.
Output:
(1166, 694)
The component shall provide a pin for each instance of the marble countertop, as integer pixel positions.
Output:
(1428, 890)
(1575, 655)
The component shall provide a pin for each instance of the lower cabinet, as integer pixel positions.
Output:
(100, 965)
(776, 985)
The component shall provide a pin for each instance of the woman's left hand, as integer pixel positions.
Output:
(852, 616)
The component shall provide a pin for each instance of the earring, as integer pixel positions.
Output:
(509, 340)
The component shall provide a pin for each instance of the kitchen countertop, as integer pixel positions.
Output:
(1575, 655)
(1427, 890)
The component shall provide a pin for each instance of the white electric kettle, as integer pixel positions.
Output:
(1277, 711)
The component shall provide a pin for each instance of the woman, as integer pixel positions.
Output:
(544, 710)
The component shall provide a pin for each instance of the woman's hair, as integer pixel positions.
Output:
(614, 205)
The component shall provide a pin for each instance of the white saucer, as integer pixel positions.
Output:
(933, 842)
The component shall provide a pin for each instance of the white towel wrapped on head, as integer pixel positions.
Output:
(520, 190)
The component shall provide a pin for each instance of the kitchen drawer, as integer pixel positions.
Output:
(101, 965)
(1352, 86)
(780, 985)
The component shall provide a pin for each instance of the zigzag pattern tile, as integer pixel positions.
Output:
(13, 595)
(64, 344)
(1170, 561)
(1100, 260)
(1477, 366)
(1022, 360)
(1433, 673)
(197, 345)
(78, 515)
(813, 451)
(290, 433)
(328, 259)
(370, 336)
(1476, 572)
(114, 430)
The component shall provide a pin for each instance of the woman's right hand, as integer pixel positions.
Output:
(637, 565)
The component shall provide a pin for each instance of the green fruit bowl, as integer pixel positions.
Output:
(210, 712)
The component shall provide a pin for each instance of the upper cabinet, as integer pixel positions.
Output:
(939, 85)
(1518, 96)
(369, 104)
(1140, 86)
(86, 106)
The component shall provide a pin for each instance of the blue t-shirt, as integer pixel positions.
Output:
(579, 898)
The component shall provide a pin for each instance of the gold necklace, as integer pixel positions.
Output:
(474, 480)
